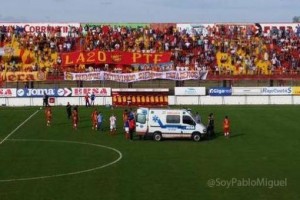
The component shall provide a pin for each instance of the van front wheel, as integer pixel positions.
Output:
(157, 137)
(196, 137)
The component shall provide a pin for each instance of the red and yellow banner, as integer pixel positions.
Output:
(23, 76)
(116, 57)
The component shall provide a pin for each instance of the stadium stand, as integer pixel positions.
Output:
(225, 50)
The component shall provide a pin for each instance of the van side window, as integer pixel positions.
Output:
(173, 119)
(188, 120)
(140, 118)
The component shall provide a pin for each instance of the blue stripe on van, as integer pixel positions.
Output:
(156, 119)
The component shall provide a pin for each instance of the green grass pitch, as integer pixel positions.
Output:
(264, 145)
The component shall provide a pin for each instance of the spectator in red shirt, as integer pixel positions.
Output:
(87, 100)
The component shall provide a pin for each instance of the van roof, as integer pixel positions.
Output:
(184, 109)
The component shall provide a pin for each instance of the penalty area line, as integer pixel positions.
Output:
(26, 120)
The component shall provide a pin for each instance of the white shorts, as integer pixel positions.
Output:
(127, 129)
(112, 126)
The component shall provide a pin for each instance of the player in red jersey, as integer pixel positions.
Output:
(48, 114)
(94, 119)
(226, 127)
(75, 119)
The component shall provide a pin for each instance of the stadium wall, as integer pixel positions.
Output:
(234, 100)
(53, 101)
(129, 96)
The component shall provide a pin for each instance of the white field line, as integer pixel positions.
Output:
(70, 173)
(26, 120)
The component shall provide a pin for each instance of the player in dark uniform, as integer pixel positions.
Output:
(210, 126)
(69, 110)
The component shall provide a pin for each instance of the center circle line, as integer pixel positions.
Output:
(70, 173)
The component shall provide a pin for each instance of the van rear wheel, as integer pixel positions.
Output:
(196, 137)
(157, 137)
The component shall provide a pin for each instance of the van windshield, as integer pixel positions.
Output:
(141, 118)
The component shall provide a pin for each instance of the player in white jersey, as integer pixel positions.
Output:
(113, 127)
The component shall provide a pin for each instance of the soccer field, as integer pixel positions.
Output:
(261, 160)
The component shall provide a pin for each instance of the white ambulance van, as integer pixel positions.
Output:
(160, 123)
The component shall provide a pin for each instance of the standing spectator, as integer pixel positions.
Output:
(112, 121)
(69, 110)
(26, 85)
(87, 100)
(197, 118)
(93, 99)
(226, 127)
(45, 100)
(210, 125)
(100, 120)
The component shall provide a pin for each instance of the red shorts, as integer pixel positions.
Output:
(75, 121)
(226, 130)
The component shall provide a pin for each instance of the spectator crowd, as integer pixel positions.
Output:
(221, 49)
